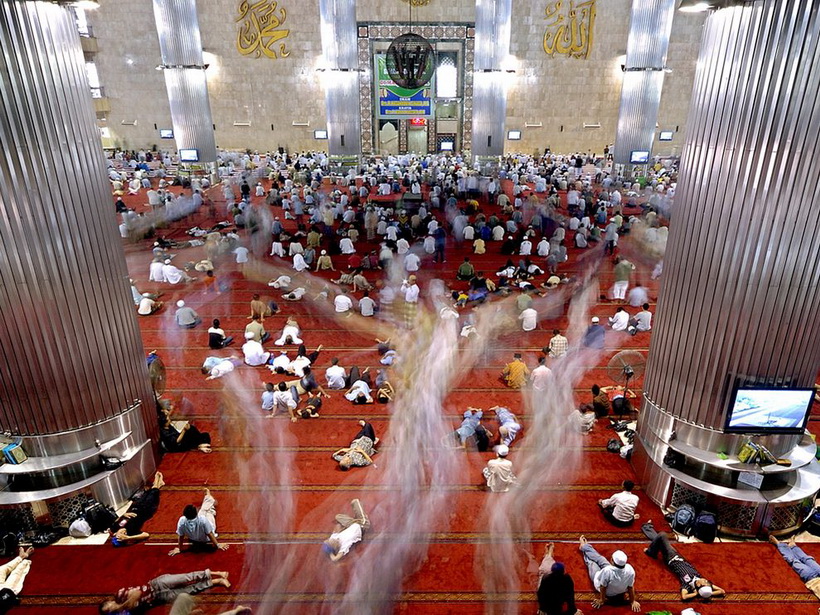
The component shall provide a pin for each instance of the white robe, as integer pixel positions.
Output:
(155, 272)
(299, 263)
(171, 274)
(254, 353)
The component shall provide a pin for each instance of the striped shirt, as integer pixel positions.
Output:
(558, 346)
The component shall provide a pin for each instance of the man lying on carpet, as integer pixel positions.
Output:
(162, 590)
(12, 575)
(361, 450)
(347, 533)
(804, 565)
(692, 584)
(128, 528)
(614, 582)
(198, 526)
(186, 605)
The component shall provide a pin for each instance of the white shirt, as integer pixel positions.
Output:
(411, 262)
(299, 263)
(644, 318)
(347, 538)
(540, 377)
(241, 254)
(529, 319)
(526, 248)
(346, 246)
(625, 503)
(367, 306)
(283, 399)
(336, 375)
(411, 293)
(171, 274)
(343, 303)
(222, 368)
(254, 353)
(619, 321)
(281, 361)
(616, 580)
(146, 305)
(402, 246)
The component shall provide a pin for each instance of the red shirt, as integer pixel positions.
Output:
(354, 261)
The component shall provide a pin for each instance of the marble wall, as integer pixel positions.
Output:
(559, 92)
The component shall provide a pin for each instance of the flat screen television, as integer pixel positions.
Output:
(189, 155)
(639, 156)
(320, 134)
(447, 146)
(166, 133)
(665, 135)
(514, 135)
(769, 410)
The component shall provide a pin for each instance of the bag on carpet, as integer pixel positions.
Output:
(48, 536)
(705, 527)
(683, 519)
(614, 446)
(99, 517)
(79, 528)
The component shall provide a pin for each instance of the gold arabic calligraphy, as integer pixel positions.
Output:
(259, 29)
(569, 32)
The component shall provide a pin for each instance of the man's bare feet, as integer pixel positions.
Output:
(25, 553)
(550, 549)
(636, 516)
(582, 541)
(221, 581)
(773, 540)
(159, 481)
(319, 348)
(219, 574)
(208, 492)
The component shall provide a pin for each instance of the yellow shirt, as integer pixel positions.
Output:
(516, 374)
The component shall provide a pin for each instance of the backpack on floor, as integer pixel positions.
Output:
(99, 517)
(705, 527)
(684, 519)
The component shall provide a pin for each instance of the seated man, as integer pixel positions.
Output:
(556, 590)
(614, 582)
(515, 372)
(804, 565)
(198, 526)
(162, 590)
(499, 473)
(620, 321)
(348, 532)
(185, 316)
(255, 354)
(174, 275)
(619, 509)
(692, 584)
(336, 375)
(216, 336)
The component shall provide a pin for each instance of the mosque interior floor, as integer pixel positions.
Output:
(274, 563)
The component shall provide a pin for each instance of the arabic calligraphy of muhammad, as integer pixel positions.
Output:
(260, 29)
(569, 28)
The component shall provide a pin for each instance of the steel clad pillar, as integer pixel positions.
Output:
(180, 44)
(74, 387)
(340, 79)
(741, 279)
(492, 48)
(649, 28)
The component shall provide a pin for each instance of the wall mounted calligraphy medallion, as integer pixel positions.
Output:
(260, 30)
(569, 28)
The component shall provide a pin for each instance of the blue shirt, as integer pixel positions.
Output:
(196, 530)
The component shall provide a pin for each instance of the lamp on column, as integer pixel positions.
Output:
(699, 6)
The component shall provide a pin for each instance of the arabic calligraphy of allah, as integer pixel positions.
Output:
(260, 31)
(569, 31)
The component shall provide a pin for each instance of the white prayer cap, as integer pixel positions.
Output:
(324, 252)
(180, 303)
(502, 450)
(167, 261)
(705, 591)
(146, 294)
(249, 335)
(619, 558)
(595, 319)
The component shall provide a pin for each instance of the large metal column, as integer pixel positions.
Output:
(492, 48)
(741, 281)
(341, 80)
(181, 48)
(73, 379)
(649, 29)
